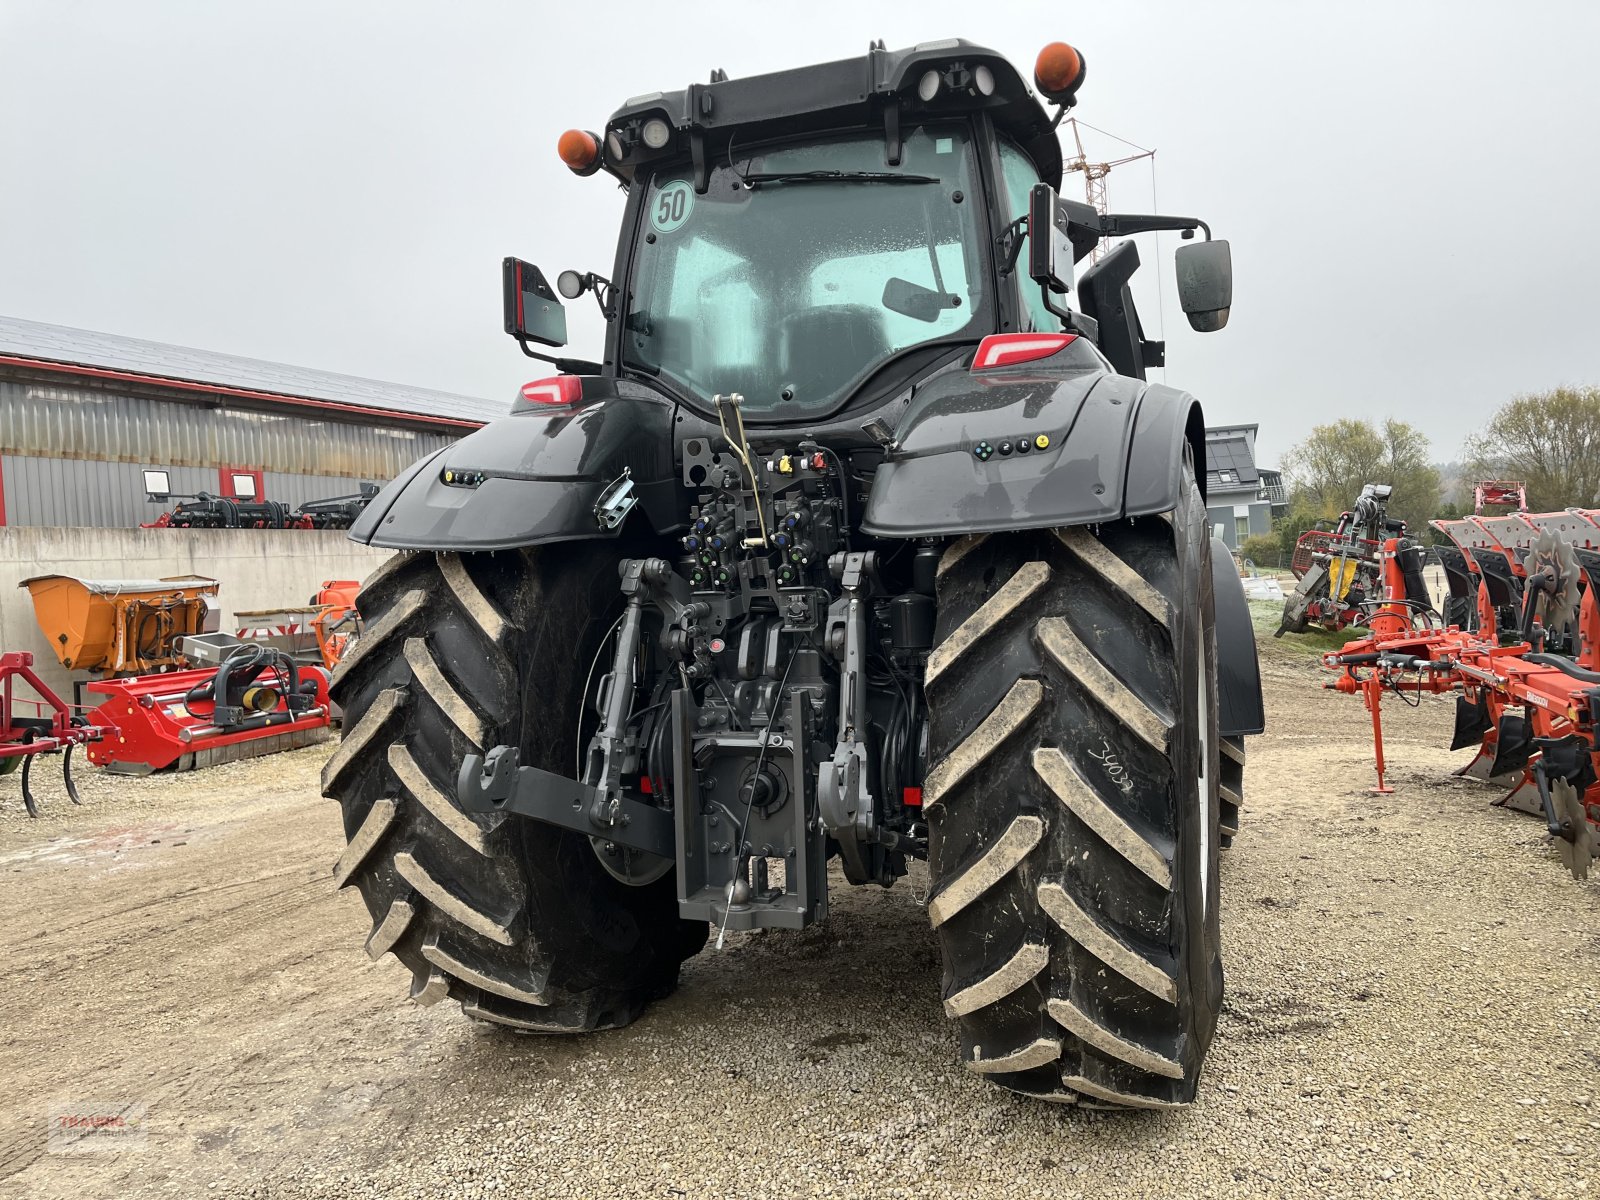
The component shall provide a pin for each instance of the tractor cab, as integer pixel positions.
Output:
(818, 239)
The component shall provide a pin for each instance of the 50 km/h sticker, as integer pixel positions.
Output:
(672, 206)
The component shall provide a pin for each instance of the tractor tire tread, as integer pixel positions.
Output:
(1055, 755)
(455, 896)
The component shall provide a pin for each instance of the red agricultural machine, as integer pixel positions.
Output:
(202, 510)
(250, 694)
(1339, 570)
(199, 697)
(187, 719)
(1521, 650)
(337, 624)
(49, 726)
(1499, 493)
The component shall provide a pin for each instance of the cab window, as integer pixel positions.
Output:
(1019, 176)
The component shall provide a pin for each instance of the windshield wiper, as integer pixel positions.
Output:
(837, 176)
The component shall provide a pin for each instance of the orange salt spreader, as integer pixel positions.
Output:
(121, 626)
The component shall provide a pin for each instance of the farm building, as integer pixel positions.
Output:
(83, 415)
(1241, 498)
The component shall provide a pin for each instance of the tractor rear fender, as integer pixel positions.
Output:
(533, 477)
(1099, 446)
(1239, 704)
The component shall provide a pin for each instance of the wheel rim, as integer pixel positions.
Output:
(632, 867)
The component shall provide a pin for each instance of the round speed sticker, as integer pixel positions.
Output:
(673, 204)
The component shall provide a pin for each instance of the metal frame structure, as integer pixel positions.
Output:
(52, 729)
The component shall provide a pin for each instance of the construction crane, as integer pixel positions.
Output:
(1094, 173)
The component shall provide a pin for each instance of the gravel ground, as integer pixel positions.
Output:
(1411, 1011)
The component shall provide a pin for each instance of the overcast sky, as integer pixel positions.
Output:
(1410, 188)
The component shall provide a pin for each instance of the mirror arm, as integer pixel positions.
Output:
(1128, 224)
(604, 293)
(567, 366)
(1010, 243)
(1075, 322)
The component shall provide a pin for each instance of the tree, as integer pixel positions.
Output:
(1302, 515)
(1550, 441)
(1328, 470)
(1264, 550)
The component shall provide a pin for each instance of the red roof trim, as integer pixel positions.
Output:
(217, 389)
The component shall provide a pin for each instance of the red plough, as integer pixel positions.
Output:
(1522, 653)
(50, 728)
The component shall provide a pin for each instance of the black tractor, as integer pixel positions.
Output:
(858, 543)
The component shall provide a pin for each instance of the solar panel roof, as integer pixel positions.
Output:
(1231, 455)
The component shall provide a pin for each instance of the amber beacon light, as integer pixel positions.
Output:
(1058, 72)
(579, 150)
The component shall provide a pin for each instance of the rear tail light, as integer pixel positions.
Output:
(561, 391)
(1009, 349)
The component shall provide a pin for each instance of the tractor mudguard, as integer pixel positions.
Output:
(1239, 705)
(535, 476)
(1099, 446)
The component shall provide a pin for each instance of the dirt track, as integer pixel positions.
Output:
(1412, 1010)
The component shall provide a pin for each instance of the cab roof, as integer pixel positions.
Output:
(879, 90)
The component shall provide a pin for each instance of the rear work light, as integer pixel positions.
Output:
(560, 391)
(1009, 349)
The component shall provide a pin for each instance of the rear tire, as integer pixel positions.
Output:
(1073, 809)
(516, 920)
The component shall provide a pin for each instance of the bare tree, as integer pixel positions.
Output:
(1550, 441)
(1327, 470)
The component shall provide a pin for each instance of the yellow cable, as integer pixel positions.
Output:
(741, 451)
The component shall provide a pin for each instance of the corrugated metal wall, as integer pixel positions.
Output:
(70, 491)
(74, 455)
(64, 421)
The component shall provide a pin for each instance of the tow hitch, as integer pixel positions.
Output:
(498, 782)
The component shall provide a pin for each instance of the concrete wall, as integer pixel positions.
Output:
(258, 569)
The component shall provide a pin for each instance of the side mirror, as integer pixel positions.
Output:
(1205, 284)
(157, 486)
(532, 311)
